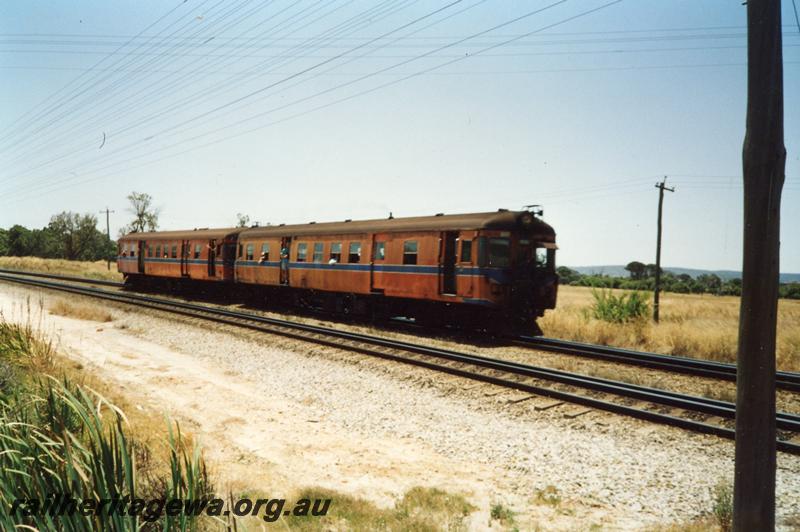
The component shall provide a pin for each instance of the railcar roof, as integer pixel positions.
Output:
(448, 222)
(190, 234)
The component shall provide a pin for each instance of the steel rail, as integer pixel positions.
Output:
(785, 380)
(300, 331)
(70, 278)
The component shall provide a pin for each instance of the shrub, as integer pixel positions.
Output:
(723, 506)
(57, 437)
(623, 308)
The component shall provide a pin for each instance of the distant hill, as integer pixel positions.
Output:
(617, 270)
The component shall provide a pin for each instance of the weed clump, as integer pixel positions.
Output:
(57, 437)
(623, 308)
(723, 506)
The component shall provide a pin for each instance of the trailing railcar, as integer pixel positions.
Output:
(201, 255)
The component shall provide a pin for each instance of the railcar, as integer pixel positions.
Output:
(482, 270)
(199, 254)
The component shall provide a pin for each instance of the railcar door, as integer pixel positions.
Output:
(448, 264)
(212, 258)
(378, 262)
(286, 247)
(185, 258)
(140, 258)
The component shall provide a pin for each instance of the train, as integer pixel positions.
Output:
(485, 271)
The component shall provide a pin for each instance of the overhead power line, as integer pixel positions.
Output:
(358, 94)
(133, 102)
(202, 92)
(108, 56)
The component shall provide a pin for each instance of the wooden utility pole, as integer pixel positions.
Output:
(108, 235)
(661, 188)
(764, 165)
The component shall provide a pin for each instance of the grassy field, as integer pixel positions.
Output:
(693, 325)
(93, 270)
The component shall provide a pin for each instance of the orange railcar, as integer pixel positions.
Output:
(484, 267)
(501, 263)
(200, 254)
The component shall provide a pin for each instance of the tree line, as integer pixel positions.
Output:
(74, 236)
(69, 235)
(642, 277)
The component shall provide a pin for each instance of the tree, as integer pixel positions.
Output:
(710, 282)
(567, 275)
(146, 216)
(77, 235)
(650, 271)
(20, 241)
(3, 242)
(242, 220)
(636, 270)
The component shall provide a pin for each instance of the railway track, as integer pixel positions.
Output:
(655, 405)
(785, 380)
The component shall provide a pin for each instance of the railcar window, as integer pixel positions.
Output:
(355, 253)
(174, 251)
(149, 251)
(317, 257)
(302, 252)
(264, 252)
(250, 250)
(466, 251)
(541, 258)
(197, 250)
(158, 251)
(499, 252)
(380, 251)
(336, 252)
(410, 252)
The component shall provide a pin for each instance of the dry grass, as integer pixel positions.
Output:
(693, 325)
(420, 509)
(34, 356)
(82, 312)
(92, 270)
(702, 524)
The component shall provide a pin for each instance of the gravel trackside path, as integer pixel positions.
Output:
(276, 414)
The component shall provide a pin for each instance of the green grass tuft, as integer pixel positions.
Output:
(622, 308)
(60, 438)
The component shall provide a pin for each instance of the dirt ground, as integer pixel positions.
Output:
(275, 416)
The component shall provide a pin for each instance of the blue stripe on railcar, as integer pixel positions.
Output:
(495, 274)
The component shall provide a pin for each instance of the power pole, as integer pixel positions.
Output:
(108, 235)
(764, 166)
(661, 188)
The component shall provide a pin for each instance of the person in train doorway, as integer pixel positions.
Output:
(284, 265)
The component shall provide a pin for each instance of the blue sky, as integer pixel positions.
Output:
(330, 109)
